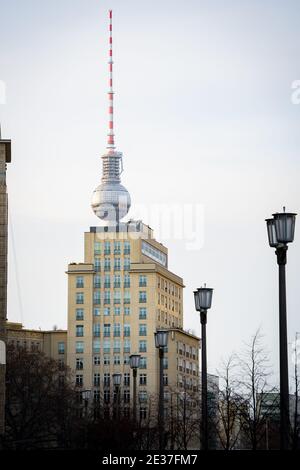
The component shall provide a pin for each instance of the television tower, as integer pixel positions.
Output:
(110, 200)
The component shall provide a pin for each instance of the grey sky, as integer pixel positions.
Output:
(203, 97)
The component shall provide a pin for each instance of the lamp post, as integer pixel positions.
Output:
(281, 229)
(117, 382)
(134, 361)
(161, 342)
(203, 298)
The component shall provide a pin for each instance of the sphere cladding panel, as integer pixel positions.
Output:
(109, 200)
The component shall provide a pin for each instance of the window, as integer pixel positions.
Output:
(79, 297)
(79, 347)
(126, 311)
(97, 299)
(126, 297)
(61, 364)
(143, 379)
(142, 280)
(142, 296)
(165, 363)
(165, 379)
(117, 264)
(97, 396)
(106, 380)
(106, 396)
(79, 282)
(79, 363)
(97, 248)
(106, 264)
(142, 313)
(106, 346)
(107, 248)
(97, 380)
(127, 280)
(126, 359)
(97, 265)
(126, 263)
(117, 311)
(107, 281)
(142, 329)
(106, 360)
(143, 396)
(79, 380)
(96, 312)
(117, 360)
(143, 363)
(106, 330)
(143, 346)
(154, 253)
(127, 346)
(79, 313)
(117, 280)
(96, 328)
(97, 282)
(61, 347)
(117, 346)
(126, 330)
(117, 248)
(126, 247)
(117, 329)
(106, 297)
(106, 311)
(126, 396)
(96, 346)
(126, 380)
(117, 297)
(97, 361)
(79, 330)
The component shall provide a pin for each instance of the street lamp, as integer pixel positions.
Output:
(117, 382)
(203, 299)
(161, 342)
(281, 230)
(134, 361)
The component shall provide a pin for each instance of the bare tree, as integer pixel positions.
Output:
(40, 401)
(258, 400)
(229, 423)
(295, 422)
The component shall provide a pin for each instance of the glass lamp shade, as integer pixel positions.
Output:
(134, 361)
(285, 226)
(203, 298)
(117, 379)
(273, 242)
(161, 338)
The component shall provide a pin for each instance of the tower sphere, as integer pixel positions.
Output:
(111, 201)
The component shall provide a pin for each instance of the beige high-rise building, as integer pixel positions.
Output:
(117, 298)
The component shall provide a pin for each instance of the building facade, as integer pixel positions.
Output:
(117, 298)
(5, 157)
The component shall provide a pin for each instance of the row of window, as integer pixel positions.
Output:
(106, 264)
(187, 366)
(168, 287)
(106, 297)
(186, 350)
(108, 281)
(79, 312)
(108, 247)
(107, 330)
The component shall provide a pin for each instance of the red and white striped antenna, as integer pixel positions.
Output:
(111, 135)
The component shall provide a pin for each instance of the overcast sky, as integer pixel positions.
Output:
(204, 117)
